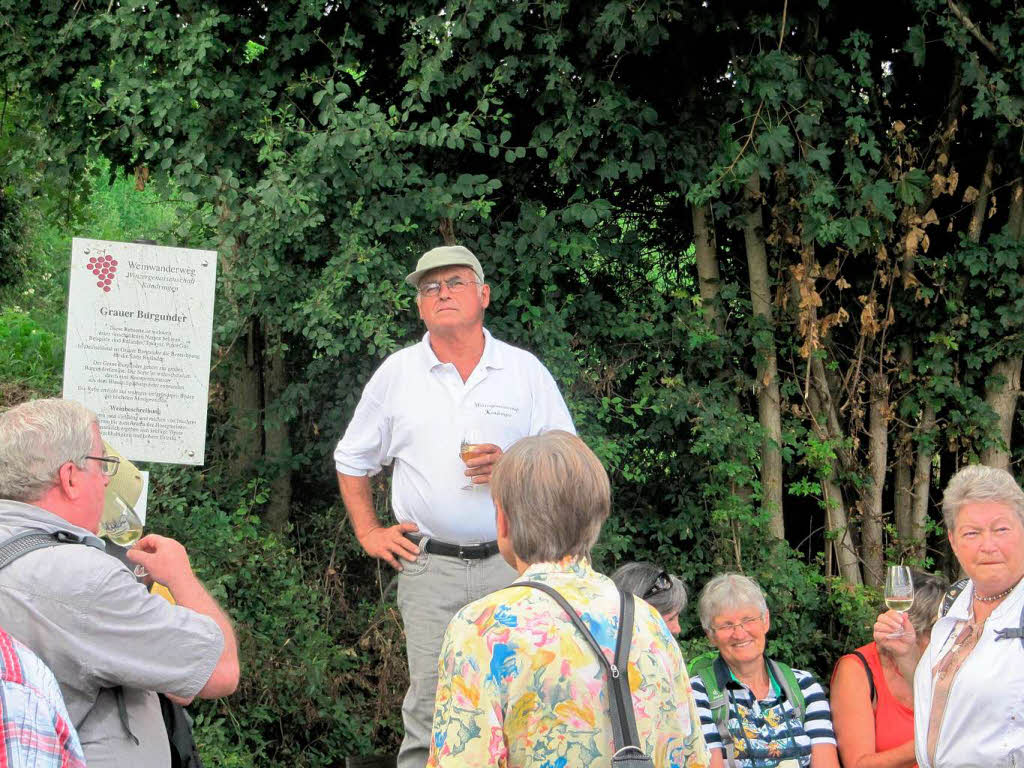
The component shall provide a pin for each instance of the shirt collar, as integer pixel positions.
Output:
(578, 567)
(19, 515)
(492, 357)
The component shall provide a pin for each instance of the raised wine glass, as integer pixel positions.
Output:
(899, 592)
(470, 448)
(124, 530)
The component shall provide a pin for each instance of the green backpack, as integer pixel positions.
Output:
(714, 673)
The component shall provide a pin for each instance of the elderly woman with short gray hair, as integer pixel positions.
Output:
(968, 707)
(519, 685)
(660, 589)
(756, 712)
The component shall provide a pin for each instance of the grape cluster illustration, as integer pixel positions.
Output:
(104, 267)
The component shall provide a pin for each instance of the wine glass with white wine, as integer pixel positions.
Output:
(124, 530)
(899, 592)
(470, 447)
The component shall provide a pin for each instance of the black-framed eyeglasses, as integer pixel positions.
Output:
(662, 583)
(455, 285)
(108, 464)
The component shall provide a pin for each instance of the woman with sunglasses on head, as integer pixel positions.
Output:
(662, 591)
(755, 712)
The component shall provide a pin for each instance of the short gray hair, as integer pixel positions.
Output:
(980, 483)
(555, 495)
(638, 578)
(36, 439)
(928, 591)
(729, 592)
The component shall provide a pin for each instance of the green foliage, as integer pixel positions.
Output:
(320, 147)
(309, 643)
(30, 356)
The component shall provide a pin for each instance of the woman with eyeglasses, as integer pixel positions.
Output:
(662, 591)
(755, 712)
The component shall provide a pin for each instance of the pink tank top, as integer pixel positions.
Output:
(894, 720)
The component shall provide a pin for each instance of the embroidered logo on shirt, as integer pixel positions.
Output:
(496, 409)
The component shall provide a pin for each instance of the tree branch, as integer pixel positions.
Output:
(971, 27)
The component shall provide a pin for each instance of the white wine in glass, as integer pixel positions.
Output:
(124, 530)
(470, 447)
(899, 592)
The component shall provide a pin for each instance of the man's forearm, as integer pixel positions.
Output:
(358, 500)
(189, 592)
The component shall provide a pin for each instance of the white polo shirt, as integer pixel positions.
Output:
(983, 724)
(414, 411)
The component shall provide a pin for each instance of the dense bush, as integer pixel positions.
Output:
(322, 656)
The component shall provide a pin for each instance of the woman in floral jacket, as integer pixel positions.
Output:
(518, 685)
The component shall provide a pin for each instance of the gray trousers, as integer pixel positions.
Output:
(430, 592)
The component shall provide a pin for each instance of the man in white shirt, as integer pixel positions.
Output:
(458, 382)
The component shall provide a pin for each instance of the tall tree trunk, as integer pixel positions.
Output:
(981, 202)
(1004, 390)
(837, 521)
(825, 420)
(903, 508)
(768, 399)
(278, 452)
(710, 286)
(706, 251)
(245, 402)
(922, 478)
(872, 515)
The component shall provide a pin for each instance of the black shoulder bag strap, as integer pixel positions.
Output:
(867, 670)
(23, 543)
(628, 753)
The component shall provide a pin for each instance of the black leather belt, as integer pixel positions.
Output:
(462, 551)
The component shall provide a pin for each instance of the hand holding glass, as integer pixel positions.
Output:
(899, 592)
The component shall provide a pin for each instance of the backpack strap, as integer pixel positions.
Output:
(624, 734)
(867, 671)
(951, 595)
(23, 543)
(714, 673)
(790, 685)
(1013, 633)
(29, 541)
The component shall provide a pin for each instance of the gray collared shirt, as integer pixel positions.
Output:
(95, 626)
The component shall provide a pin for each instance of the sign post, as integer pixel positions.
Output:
(140, 325)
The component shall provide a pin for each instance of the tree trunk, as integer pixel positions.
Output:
(872, 515)
(922, 479)
(903, 507)
(981, 202)
(710, 285)
(903, 497)
(768, 399)
(836, 519)
(278, 451)
(1003, 392)
(244, 399)
(826, 425)
(707, 267)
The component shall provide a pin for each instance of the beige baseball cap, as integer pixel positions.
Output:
(445, 256)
